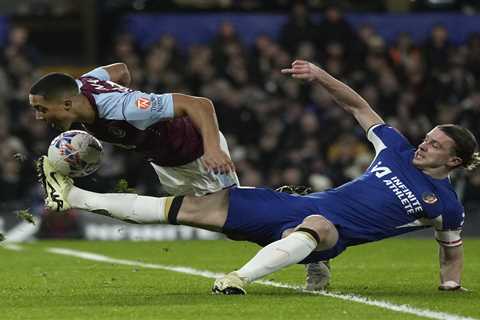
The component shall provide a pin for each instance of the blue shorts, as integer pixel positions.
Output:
(262, 215)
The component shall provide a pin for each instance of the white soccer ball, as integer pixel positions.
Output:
(75, 153)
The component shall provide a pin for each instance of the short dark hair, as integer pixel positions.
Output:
(465, 144)
(55, 86)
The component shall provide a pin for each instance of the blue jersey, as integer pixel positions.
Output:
(139, 121)
(392, 197)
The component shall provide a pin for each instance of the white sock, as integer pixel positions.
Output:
(124, 206)
(277, 255)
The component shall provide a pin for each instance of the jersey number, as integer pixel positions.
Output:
(381, 171)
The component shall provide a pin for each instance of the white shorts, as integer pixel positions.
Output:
(193, 178)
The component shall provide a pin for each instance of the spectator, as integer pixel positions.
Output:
(299, 29)
(437, 50)
(335, 29)
(473, 55)
(18, 45)
(404, 52)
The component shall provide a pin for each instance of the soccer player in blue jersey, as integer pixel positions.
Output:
(403, 190)
(178, 134)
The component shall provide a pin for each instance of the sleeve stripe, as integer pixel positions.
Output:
(450, 243)
(448, 238)
(375, 139)
(373, 126)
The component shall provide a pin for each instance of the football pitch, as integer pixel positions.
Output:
(394, 279)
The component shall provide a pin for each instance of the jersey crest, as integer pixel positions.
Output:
(429, 197)
(143, 103)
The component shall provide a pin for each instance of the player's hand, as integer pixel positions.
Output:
(302, 69)
(216, 160)
(451, 286)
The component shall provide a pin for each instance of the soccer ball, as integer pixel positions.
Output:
(75, 153)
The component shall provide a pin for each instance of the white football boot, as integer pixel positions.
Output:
(229, 284)
(318, 275)
(55, 185)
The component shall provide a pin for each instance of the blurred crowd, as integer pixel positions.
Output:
(280, 130)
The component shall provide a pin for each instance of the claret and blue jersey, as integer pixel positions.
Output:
(392, 197)
(139, 121)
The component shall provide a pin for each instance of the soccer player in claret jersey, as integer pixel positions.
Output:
(178, 134)
(404, 189)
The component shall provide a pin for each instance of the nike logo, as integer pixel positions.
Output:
(52, 174)
(55, 197)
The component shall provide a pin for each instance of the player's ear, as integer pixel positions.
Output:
(454, 161)
(67, 104)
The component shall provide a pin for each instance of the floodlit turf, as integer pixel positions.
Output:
(36, 284)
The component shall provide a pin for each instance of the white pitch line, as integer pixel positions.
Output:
(11, 246)
(208, 274)
(378, 303)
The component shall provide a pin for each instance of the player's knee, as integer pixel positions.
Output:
(325, 231)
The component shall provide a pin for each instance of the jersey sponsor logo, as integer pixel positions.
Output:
(158, 104)
(407, 198)
(143, 103)
(429, 197)
(412, 206)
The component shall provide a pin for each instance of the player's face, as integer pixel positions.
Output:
(56, 114)
(436, 150)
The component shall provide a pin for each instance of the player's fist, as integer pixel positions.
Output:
(302, 69)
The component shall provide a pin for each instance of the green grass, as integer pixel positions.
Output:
(36, 284)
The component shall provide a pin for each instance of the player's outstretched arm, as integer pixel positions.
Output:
(451, 266)
(202, 113)
(119, 73)
(345, 96)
